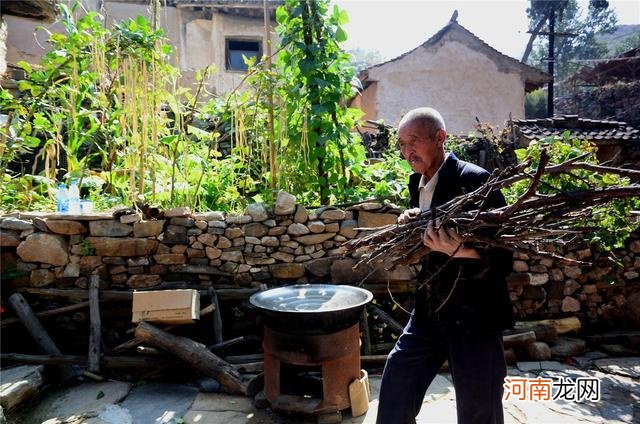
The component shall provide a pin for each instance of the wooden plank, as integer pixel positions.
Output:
(95, 328)
(395, 326)
(110, 362)
(217, 318)
(50, 312)
(364, 328)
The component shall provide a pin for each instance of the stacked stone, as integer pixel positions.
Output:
(544, 288)
(284, 244)
(287, 244)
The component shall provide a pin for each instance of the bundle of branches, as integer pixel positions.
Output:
(532, 224)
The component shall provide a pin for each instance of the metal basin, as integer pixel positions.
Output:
(311, 308)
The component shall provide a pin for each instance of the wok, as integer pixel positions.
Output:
(311, 308)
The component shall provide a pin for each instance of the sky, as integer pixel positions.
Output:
(394, 27)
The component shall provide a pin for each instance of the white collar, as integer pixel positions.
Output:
(433, 180)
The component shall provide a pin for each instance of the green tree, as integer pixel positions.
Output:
(535, 104)
(630, 42)
(362, 58)
(569, 19)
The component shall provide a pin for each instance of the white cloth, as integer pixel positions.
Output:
(428, 187)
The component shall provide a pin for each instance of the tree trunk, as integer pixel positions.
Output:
(194, 354)
(37, 331)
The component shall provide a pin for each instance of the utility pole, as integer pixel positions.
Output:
(551, 60)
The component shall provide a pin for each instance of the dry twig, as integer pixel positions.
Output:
(530, 225)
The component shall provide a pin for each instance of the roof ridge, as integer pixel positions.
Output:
(454, 25)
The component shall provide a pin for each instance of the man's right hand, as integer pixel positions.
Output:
(408, 215)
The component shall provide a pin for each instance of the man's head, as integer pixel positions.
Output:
(421, 137)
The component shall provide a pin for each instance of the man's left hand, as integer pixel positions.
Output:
(446, 241)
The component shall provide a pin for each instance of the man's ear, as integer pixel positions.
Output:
(441, 137)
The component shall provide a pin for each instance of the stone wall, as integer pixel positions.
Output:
(606, 293)
(279, 246)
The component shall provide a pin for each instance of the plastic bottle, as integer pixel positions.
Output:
(74, 198)
(62, 198)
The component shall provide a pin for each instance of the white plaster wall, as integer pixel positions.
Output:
(3, 46)
(198, 33)
(24, 42)
(225, 26)
(459, 82)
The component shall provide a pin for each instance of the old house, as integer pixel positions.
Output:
(455, 72)
(203, 33)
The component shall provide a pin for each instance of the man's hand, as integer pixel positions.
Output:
(408, 215)
(447, 241)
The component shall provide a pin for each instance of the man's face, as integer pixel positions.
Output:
(422, 150)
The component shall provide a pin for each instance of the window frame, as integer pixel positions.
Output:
(242, 39)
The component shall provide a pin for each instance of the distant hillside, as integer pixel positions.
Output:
(616, 37)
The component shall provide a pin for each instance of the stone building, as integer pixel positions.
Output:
(455, 72)
(202, 32)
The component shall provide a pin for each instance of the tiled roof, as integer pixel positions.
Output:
(534, 77)
(597, 131)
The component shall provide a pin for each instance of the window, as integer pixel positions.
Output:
(238, 48)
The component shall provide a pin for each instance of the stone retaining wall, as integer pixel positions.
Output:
(280, 246)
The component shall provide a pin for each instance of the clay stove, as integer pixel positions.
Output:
(310, 373)
(311, 346)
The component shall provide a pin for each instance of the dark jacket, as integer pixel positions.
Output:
(478, 299)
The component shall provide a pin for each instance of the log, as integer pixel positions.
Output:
(194, 354)
(565, 325)
(151, 351)
(241, 359)
(383, 347)
(92, 376)
(19, 385)
(217, 318)
(226, 344)
(546, 328)
(37, 331)
(130, 344)
(120, 295)
(539, 351)
(250, 367)
(395, 326)
(544, 332)
(50, 312)
(207, 310)
(77, 293)
(395, 287)
(109, 362)
(373, 361)
(519, 340)
(95, 326)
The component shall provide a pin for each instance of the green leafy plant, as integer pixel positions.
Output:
(608, 225)
(86, 249)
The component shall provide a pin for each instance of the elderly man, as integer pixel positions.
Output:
(462, 302)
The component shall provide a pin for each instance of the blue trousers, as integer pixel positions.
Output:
(477, 366)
